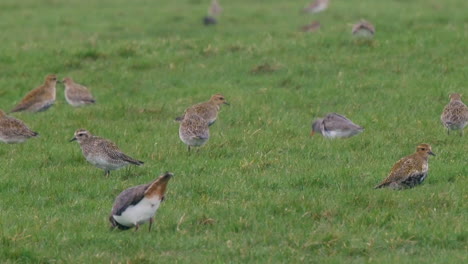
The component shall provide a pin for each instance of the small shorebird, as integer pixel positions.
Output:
(194, 130)
(39, 99)
(77, 94)
(312, 27)
(102, 153)
(334, 125)
(215, 9)
(363, 29)
(455, 114)
(316, 6)
(138, 205)
(410, 170)
(207, 110)
(13, 130)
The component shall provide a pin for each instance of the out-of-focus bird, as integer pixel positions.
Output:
(455, 114)
(312, 27)
(334, 125)
(77, 94)
(317, 6)
(363, 29)
(39, 99)
(13, 130)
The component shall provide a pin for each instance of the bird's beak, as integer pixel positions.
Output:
(226, 103)
(73, 139)
(59, 81)
(431, 153)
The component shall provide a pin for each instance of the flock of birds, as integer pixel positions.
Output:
(137, 205)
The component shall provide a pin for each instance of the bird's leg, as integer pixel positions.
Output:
(136, 227)
(448, 131)
(150, 224)
(188, 148)
(461, 132)
(107, 173)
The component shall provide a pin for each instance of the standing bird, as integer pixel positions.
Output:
(214, 11)
(363, 29)
(102, 153)
(455, 114)
(334, 125)
(13, 130)
(316, 6)
(76, 94)
(39, 99)
(137, 205)
(207, 110)
(410, 170)
(194, 130)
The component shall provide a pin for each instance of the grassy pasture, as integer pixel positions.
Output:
(262, 190)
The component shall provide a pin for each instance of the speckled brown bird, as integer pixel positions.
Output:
(77, 94)
(316, 6)
(455, 114)
(39, 99)
(194, 130)
(13, 130)
(334, 125)
(363, 29)
(207, 110)
(138, 205)
(409, 171)
(102, 153)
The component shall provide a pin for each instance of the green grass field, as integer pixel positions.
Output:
(261, 190)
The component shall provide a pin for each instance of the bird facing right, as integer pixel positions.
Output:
(77, 94)
(39, 99)
(207, 110)
(137, 205)
(102, 153)
(13, 130)
(409, 171)
(455, 114)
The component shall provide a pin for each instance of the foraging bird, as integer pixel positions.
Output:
(317, 6)
(194, 130)
(410, 170)
(77, 94)
(102, 153)
(13, 130)
(39, 99)
(207, 110)
(312, 27)
(334, 125)
(363, 29)
(138, 205)
(455, 114)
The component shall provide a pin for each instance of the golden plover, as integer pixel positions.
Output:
(410, 170)
(207, 110)
(102, 153)
(138, 205)
(76, 94)
(317, 6)
(39, 99)
(455, 114)
(363, 29)
(334, 125)
(194, 130)
(13, 130)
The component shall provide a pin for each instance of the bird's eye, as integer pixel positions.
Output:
(423, 149)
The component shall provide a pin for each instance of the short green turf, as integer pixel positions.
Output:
(261, 190)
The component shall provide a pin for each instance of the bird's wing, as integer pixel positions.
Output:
(29, 99)
(128, 197)
(81, 93)
(338, 122)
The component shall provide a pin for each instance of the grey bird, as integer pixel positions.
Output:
(77, 94)
(455, 114)
(102, 153)
(334, 125)
(137, 205)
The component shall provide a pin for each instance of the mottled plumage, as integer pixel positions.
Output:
(410, 170)
(77, 94)
(363, 29)
(137, 205)
(334, 125)
(39, 99)
(194, 130)
(317, 6)
(102, 153)
(207, 110)
(13, 130)
(455, 114)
